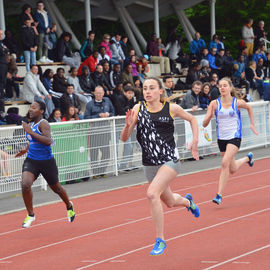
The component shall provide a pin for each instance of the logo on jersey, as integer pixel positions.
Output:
(29, 137)
(231, 113)
(164, 119)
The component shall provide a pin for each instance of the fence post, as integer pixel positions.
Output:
(114, 146)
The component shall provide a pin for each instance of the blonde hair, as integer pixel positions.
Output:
(229, 81)
(162, 96)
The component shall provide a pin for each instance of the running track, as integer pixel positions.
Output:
(113, 230)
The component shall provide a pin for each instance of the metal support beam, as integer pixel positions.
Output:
(135, 29)
(188, 23)
(156, 18)
(88, 24)
(65, 26)
(126, 26)
(2, 16)
(183, 24)
(213, 17)
(59, 29)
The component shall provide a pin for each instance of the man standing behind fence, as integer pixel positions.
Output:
(99, 107)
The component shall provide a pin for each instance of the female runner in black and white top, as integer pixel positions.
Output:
(154, 119)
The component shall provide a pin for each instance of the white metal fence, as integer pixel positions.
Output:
(93, 147)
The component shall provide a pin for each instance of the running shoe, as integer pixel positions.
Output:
(71, 213)
(251, 161)
(217, 199)
(193, 207)
(27, 221)
(159, 247)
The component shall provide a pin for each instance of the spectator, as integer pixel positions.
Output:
(124, 47)
(107, 71)
(214, 90)
(248, 36)
(27, 15)
(117, 95)
(204, 96)
(106, 43)
(44, 24)
(260, 69)
(3, 71)
(51, 40)
(214, 42)
(11, 43)
(86, 82)
(64, 53)
(12, 80)
(138, 90)
(115, 75)
(74, 80)
(191, 99)
(118, 56)
(55, 116)
(203, 54)
(130, 54)
(133, 63)
(90, 62)
(153, 52)
(34, 90)
(205, 71)
(70, 98)
(29, 43)
(59, 81)
(255, 81)
(87, 47)
(168, 84)
(211, 57)
(13, 117)
(228, 63)
(127, 75)
(142, 67)
(47, 79)
(99, 107)
(161, 47)
(99, 78)
(70, 114)
(221, 62)
(102, 56)
(259, 33)
(196, 45)
(194, 74)
(239, 76)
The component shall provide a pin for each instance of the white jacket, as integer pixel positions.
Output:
(247, 34)
(32, 86)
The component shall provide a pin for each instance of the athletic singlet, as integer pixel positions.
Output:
(228, 121)
(155, 135)
(38, 150)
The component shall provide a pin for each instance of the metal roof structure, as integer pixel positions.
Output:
(130, 13)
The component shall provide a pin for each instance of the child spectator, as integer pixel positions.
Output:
(91, 62)
(102, 56)
(133, 63)
(127, 75)
(70, 114)
(55, 116)
(87, 47)
(86, 82)
(116, 75)
(142, 67)
(118, 56)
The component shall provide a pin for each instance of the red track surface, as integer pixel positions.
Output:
(113, 230)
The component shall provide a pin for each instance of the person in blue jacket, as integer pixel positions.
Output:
(196, 45)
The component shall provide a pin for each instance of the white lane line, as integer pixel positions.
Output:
(242, 262)
(176, 237)
(130, 202)
(209, 261)
(237, 257)
(117, 261)
(123, 224)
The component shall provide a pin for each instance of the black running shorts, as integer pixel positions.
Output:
(223, 143)
(47, 168)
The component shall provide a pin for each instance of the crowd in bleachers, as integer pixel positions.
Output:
(112, 65)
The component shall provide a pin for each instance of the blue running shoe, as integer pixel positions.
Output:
(217, 199)
(193, 207)
(159, 247)
(251, 161)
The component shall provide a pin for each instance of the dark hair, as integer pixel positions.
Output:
(128, 88)
(67, 116)
(47, 72)
(25, 7)
(66, 34)
(42, 105)
(40, 2)
(35, 65)
(51, 117)
(70, 84)
(166, 77)
(60, 69)
(71, 69)
(91, 32)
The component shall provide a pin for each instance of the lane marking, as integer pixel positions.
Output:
(242, 262)
(130, 202)
(177, 237)
(209, 261)
(238, 257)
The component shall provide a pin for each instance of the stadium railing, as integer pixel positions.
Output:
(93, 147)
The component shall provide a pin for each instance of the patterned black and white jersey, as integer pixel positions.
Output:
(155, 135)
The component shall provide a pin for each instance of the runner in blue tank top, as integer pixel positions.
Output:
(40, 160)
(229, 134)
(154, 119)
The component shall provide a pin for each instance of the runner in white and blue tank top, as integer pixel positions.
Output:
(40, 160)
(229, 132)
(155, 127)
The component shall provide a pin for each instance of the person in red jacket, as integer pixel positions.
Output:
(91, 62)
